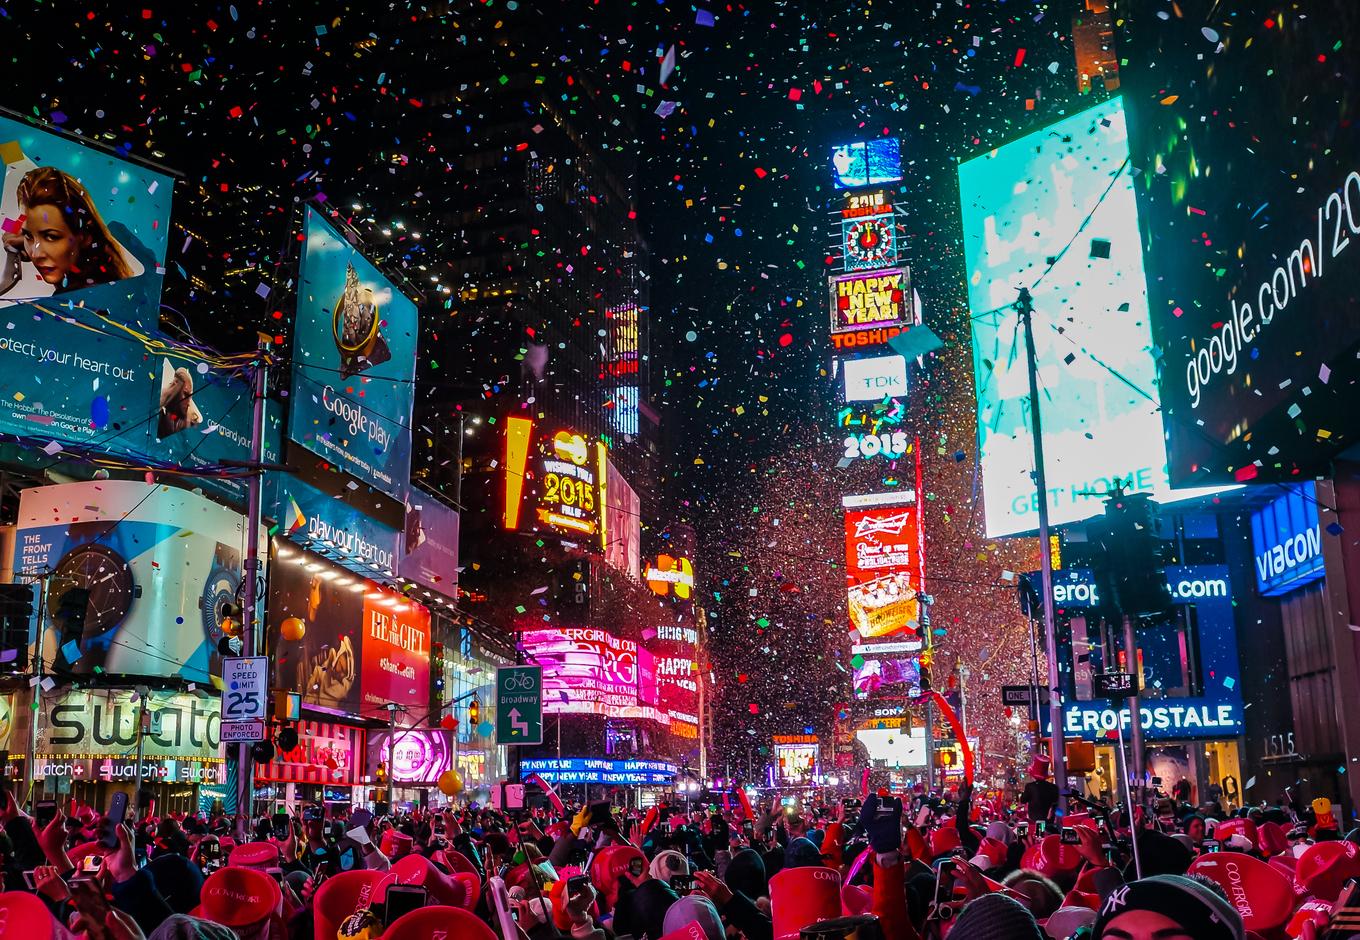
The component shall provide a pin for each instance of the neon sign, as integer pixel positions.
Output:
(869, 301)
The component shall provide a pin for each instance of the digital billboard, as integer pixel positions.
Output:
(354, 362)
(420, 754)
(598, 770)
(555, 481)
(1023, 203)
(362, 645)
(84, 236)
(872, 301)
(160, 565)
(1286, 539)
(883, 569)
(623, 523)
(590, 672)
(674, 652)
(331, 526)
(430, 550)
(796, 757)
(875, 379)
(204, 417)
(1245, 129)
(866, 162)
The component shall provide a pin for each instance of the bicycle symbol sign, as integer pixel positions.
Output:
(519, 705)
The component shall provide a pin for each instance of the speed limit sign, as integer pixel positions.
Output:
(245, 687)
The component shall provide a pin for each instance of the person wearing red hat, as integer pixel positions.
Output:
(1040, 795)
(248, 901)
(438, 923)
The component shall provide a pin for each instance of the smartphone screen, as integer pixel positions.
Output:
(402, 899)
(1211, 845)
(44, 811)
(944, 882)
(108, 834)
(1069, 836)
(28, 880)
(279, 826)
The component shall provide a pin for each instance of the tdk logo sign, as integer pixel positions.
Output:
(875, 379)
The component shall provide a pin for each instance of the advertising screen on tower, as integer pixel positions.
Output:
(354, 362)
(1246, 130)
(883, 569)
(592, 672)
(870, 301)
(1055, 210)
(866, 162)
(555, 481)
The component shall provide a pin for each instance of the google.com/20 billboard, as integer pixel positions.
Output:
(354, 360)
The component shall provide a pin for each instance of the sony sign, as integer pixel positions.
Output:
(1287, 542)
(875, 379)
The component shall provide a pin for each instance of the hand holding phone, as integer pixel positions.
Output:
(108, 826)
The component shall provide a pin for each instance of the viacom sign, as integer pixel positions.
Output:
(1287, 542)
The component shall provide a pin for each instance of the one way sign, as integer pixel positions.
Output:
(519, 705)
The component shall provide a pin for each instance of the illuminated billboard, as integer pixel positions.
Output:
(361, 645)
(674, 650)
(354, 362)
(872, 301)
(591, 672)
(875, 379)
(1022, 204)
(1249, 199)
(883, 569)
(671, 576)
(869, 242)
(796, 757)
(555, 482)
(866, 162)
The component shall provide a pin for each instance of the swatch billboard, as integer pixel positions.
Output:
(1246, 131)
(361, 646)
(1022, 204)
(161, 566)
(84, 236)
(354, 360)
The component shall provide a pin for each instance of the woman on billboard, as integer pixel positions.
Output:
(62, 236)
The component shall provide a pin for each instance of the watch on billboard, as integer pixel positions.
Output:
(140, 574)
(869, 242)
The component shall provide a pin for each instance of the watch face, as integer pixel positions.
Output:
(219, 591)
(103, 572)
(870, 243)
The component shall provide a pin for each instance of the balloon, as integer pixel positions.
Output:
(231, 626)
(293, 629)
(450, 783)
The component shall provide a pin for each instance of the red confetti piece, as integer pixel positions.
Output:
(760, 173)
(1019, 57)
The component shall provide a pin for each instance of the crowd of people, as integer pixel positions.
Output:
(970, 866)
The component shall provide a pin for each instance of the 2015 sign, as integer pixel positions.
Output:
(876, 445)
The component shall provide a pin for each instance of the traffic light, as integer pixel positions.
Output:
(71, 608)
(16, 626)
(1130, 558)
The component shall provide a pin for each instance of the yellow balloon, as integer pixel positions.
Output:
(450, 783)
(231, 627)
(293, 629)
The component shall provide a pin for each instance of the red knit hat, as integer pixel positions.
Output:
(340, 896)
(459, 890)
(240, 897)
(944, 840)
(1262, 894)
(1324, 868)
(1271, 838)
(23, 914)
(438, 923)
